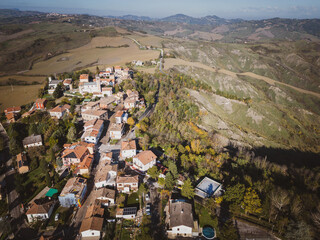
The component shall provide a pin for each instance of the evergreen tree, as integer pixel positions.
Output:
(169, 182)
(154, 172)
(72, 134)
(48, 179)
(58, 92)
(187, 190)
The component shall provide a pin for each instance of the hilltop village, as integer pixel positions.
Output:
(103, 174)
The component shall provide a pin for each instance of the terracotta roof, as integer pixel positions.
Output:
(10, 116)
(106, 193)
(67, 81)
(94, 211)
(119, 114)
(87, 161)
(128, 145)
(40, 208)
(90, 123)
(12, 109)
(92, 223)
(60, 108)
(127, 179)
(41, 100)
(84, 76)
(146, 156)
(116, 127)
(95, 112)
(107, 89)
(76, 152)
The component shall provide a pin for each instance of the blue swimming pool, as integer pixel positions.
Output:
(208, 232)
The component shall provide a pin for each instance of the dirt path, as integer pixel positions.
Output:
(171, 62)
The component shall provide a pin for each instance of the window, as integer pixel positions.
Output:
(178, 229)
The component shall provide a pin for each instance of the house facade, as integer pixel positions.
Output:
(40, 211)
(181, 222)
(116, 130)
(93, 133)
(73, 192)
(91, 228)
(126, 184)
(32, 141)
(144, 160)
(59, 111)
(94, 114)
(128, 149)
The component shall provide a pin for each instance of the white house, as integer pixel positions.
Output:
(126, 184)
(106, 175)
(90, 87)
(107, 91)
(59, 111)
(52, 85)
(118, 117)
(92, 134)
(91, 228)
(116, 130)
(94, 114)
(126, 213)
(128, 149)
(40, 209)
(84, 78)
(181, 221)
(144, 160)
(32, 141)
(106, 194)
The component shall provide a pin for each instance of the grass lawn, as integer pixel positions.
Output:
(34, 184)
(204, 217)
(133, 199)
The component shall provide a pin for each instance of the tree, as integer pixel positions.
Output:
(169, 182)
(228, 231)
(154, 172)
(145, 233)
(298, 231)
(142, 189)
(235, 194)
(41, 92)
(58, 92)
(172, 167)
(48, 179)
(161, 181)
(251, 202)
(145, 142)
(187, 190)
(279, 199)
(130, 121)
(72, 134)
(2, 143)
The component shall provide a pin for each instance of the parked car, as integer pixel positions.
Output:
(56, 217)
(147, 197)
(148, 209)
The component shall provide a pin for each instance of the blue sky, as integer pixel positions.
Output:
(247, 9)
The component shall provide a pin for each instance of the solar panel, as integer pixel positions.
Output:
(129, 211)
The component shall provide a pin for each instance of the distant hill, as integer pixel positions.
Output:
(208, 20)
(8, 13)
(133, 17)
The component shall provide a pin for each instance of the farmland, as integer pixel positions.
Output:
(89, 55)
(17, 95)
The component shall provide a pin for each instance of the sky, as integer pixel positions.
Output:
(246, 9)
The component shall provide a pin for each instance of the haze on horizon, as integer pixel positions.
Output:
(246, 9)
